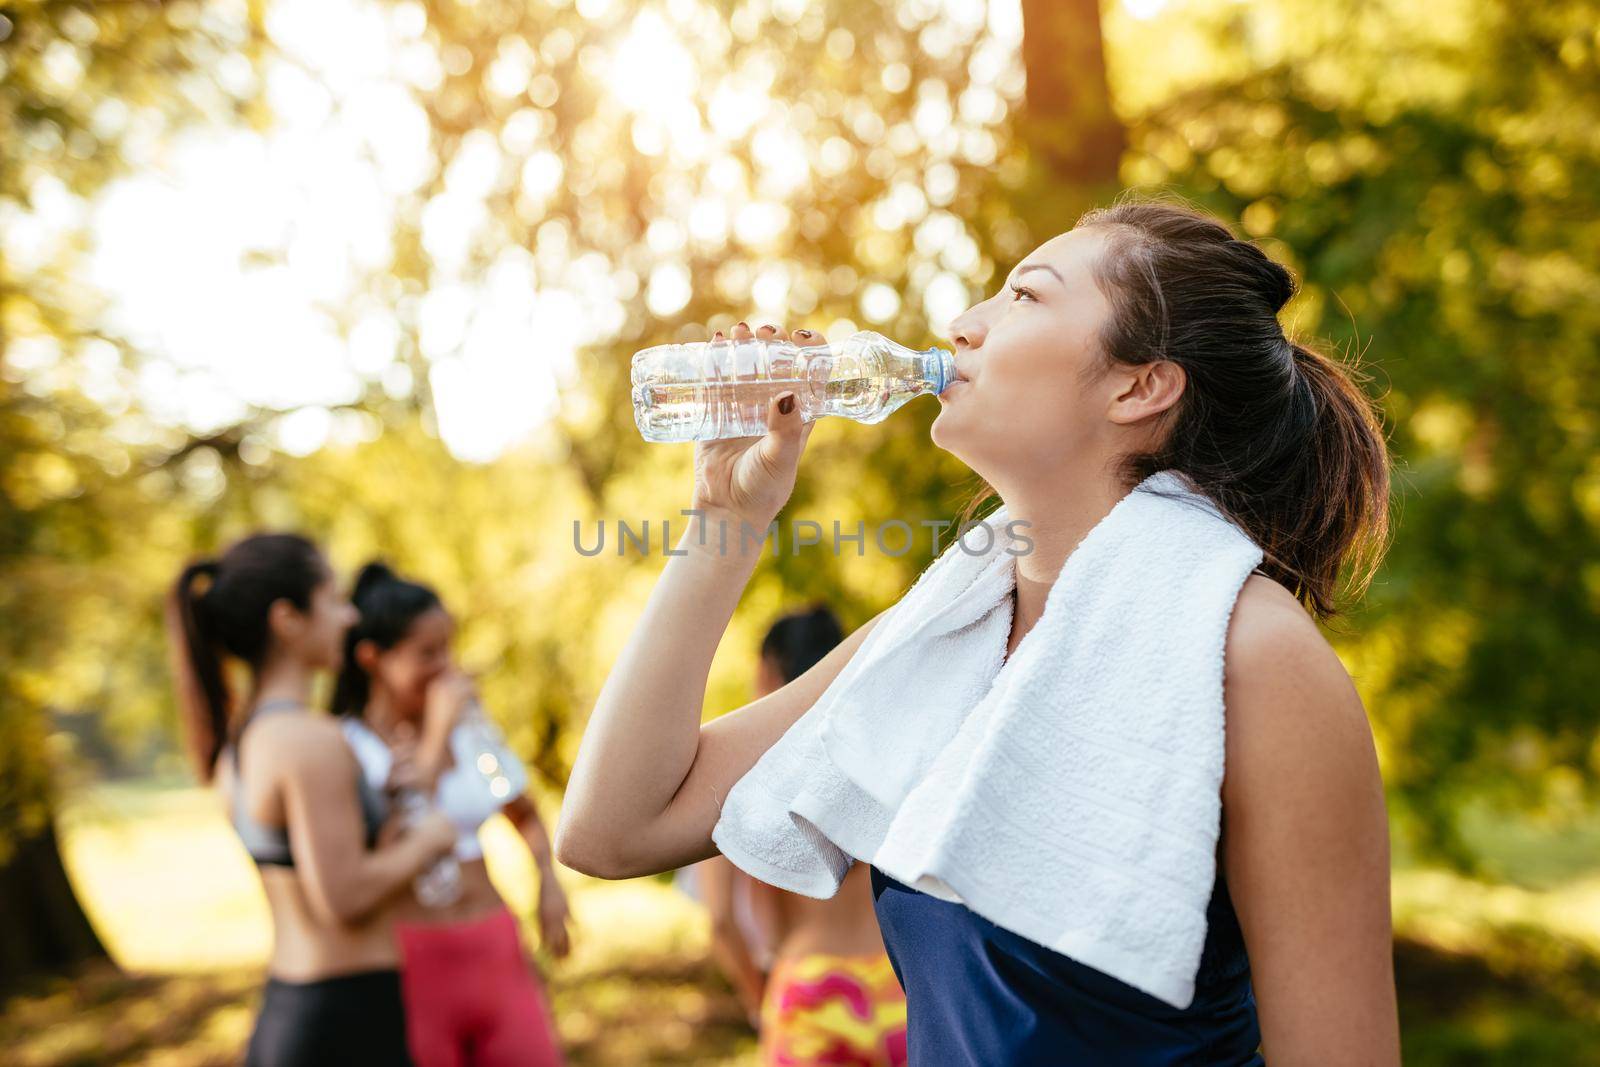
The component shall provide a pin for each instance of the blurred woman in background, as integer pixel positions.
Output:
(472, 995)
(814, 971)
(298, 800)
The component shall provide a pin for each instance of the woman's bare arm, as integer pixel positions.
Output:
(525, 817)
(730, 745)
(1306, 842)
(649, 782)
(344, 880)
(553, 911)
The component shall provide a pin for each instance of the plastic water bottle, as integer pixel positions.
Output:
(440, 885)
(708, 390)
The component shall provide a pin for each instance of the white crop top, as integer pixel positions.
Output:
(484, 776)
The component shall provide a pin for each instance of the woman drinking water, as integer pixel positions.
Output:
(472, 996)
(1118, 795)
(298, 801)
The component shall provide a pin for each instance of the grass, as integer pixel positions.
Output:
(1498, 975)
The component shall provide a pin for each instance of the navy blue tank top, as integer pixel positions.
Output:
(980, 995)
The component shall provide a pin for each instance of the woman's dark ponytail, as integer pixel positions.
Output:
(352, 688)
(230, 615)
(1344, 470)
(388, 605)
(197, 666)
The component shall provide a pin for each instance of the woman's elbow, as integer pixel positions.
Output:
(586, 852)
(341, 906)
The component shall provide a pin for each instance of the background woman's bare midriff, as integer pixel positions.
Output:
(478, 899)
(307, 948)
(842, 925)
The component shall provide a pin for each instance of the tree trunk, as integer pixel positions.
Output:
(43, 929)
(1068, 118)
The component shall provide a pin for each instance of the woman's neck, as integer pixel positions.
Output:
(382, 715)
(282, 679)
(1058, 519)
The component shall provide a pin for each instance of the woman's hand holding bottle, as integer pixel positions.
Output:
(749, 479)
(437, 833)
(431, 831)
(634, 801)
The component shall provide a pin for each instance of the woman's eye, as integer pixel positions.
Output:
(1020, 292)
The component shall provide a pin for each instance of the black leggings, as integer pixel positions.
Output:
(335, 1022)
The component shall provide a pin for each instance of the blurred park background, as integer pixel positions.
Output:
(373, 270)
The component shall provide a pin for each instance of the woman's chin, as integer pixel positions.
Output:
(942, 433)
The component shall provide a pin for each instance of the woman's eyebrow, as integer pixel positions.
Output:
(1026, 267)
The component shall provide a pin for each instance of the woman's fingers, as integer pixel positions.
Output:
(777, 451)
(403, 773)
(768, 331)
(808, 339)
(786, 436)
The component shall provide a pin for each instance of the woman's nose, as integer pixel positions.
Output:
(967, 331)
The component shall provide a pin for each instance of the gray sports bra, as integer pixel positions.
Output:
(269, 845)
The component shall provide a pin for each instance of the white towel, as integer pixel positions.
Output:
(1072, 793)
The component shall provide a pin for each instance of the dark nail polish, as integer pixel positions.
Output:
(742, 326)
(786, 405)
(804, 333)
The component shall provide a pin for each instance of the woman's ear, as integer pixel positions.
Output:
(1147, 389)
(366, 655)
(284, 621)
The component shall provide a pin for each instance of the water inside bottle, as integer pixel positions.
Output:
(688, 411)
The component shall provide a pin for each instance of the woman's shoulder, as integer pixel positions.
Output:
(1273, 640)
(1266, 613)
(295, 738)
(294, 722)
(1286, 691)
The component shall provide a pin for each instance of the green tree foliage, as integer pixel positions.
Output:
(82, 87)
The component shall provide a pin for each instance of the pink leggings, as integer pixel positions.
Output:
(471, 997)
